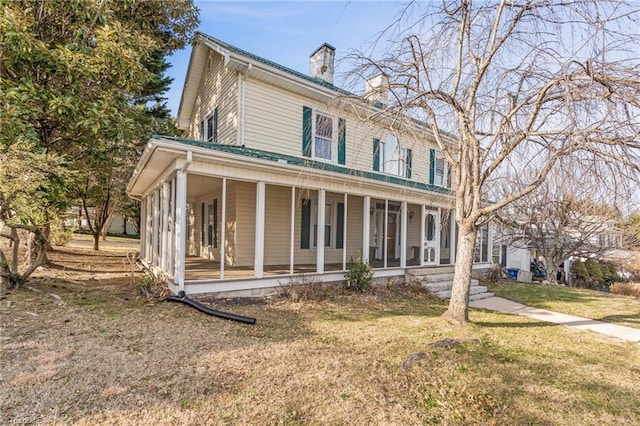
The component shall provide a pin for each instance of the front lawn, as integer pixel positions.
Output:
(81, 347)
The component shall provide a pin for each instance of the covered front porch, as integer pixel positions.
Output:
(223, 223)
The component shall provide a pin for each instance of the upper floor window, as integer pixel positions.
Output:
(392, 156)
(389, 157)
(323, 137)
(209, 127)
(440, 175)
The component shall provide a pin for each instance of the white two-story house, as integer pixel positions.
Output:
(281, 175)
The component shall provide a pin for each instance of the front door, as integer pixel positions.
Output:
(431, 237)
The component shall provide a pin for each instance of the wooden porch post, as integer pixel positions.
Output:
(452, 240)
(344, 234)
(155, 226)
(366, 224)
(148, 224)
(403, 235)
(143, 228)
(180, 227)
(258, 264)
(320, 233)
(423, 211)
(385, 242)
(223, 228)
(165, 226)
(293, 228)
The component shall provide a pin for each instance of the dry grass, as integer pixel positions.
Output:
(100, 355)
(626, 289)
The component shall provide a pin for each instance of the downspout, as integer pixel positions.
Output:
(243, 103)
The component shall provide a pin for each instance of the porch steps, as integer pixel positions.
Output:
(438, 281)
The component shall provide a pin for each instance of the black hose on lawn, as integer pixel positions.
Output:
(213, 312)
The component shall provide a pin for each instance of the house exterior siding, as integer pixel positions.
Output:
(218, 88)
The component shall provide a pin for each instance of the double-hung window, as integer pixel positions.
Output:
(389, 157)
(328, 221)
(393, 156)
(212, 224)
(323, 137)
(209, 127)
(481, 252)
(441, 171)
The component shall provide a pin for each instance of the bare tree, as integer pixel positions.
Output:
(521, 85)
(570, 214)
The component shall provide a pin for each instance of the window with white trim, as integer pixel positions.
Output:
(481, 253)
(392, 156)
(324, 133)
(209, 127)
(441, 172)
(212, 224)
(328, 225)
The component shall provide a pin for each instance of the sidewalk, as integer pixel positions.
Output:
(503, 305)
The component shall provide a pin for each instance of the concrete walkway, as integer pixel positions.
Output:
(503, 305)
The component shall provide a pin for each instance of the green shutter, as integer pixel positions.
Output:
(376, 155)
(307, 119)
(215, 125)
(409, 160)
(340, 226)
(202, 136)
(215, 223)
(432, 166)
(305, 223)
(449, 177)
(342, 141)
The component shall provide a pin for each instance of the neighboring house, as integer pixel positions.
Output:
(76, 219)
(275, 180)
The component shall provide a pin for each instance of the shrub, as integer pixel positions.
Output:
(60, 236)
(359, 275)
(595, 271)
(626, 289)
(579, 270)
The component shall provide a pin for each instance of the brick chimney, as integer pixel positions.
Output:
(322, 62)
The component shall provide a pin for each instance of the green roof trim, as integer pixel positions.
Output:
(305, 162)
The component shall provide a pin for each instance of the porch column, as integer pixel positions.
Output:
(172, 227)
(423, 212)
(180, 227)
(223, 228)
(292, 235)
(258, 263)
(403, 235)
(148, 225)
(452, 240)
(385, 242)
(155, 226)
(490, 242)
(165, 226)
(344, 234)
(366, 224)
(143, 228)
(320, 233)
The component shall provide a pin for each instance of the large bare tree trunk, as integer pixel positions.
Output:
(459, 302)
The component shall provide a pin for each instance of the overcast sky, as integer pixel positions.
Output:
(286, 32)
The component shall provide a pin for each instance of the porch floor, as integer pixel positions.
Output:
(197, 268)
